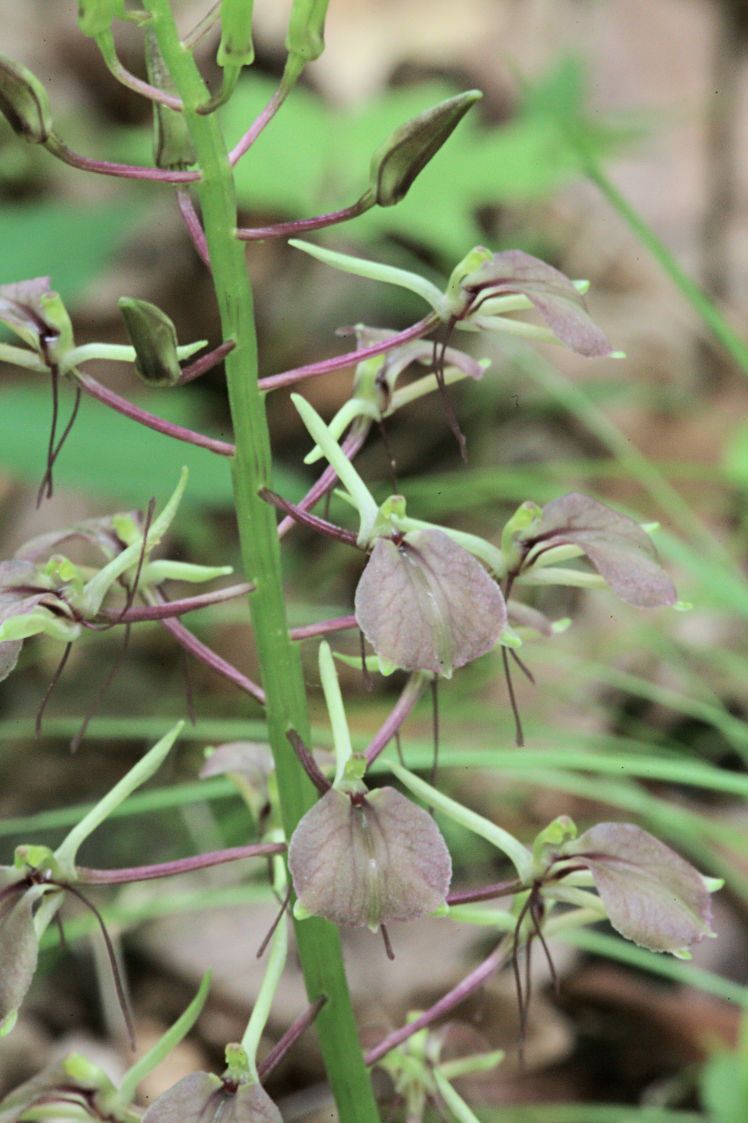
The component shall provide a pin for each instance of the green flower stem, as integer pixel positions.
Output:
(138, 774)
(453, 1100)
(375, 271)
(318, 942)
(347, 474)
(163, 1046)
(489, 554)
(97, 588)
(273, 971)
(22, 357)
(557, 576)
(118, 353)
(426, 385)
(518, 854)
(335, 709)
(697, 298)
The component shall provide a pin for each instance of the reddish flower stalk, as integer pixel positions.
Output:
(86, 876)
(397, 716)
(486, 893)
(254, 130)
(312, 521)
(150, 420)
(206, 655)
(302, 225)
(193, 224)
(351, 358)
(122, 74)
(206, 362)
(453, 998)
(308, 763)
(291, 1035)
(119, 171)
(323, 628)
(173, 608)
(350, 446)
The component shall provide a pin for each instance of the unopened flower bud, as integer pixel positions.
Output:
(236, 47)
(405, 153)
(154, 338)
(96, 16)
(306, 29)
(172, 144)
(24, 102)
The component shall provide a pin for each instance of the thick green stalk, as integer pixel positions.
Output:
(317, 940)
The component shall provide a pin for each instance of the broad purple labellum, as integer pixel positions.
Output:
(366, 860)
(619, 549)
(550, 291)
(204, 1098)
(427, 604)
(651, 895)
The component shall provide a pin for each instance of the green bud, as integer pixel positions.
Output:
(24, 101)
(236, 47)
(154, 338)
(306, 29)
(96, 16)
(172, 144)
(405, 153)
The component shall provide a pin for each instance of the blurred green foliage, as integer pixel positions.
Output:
(70, 244)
